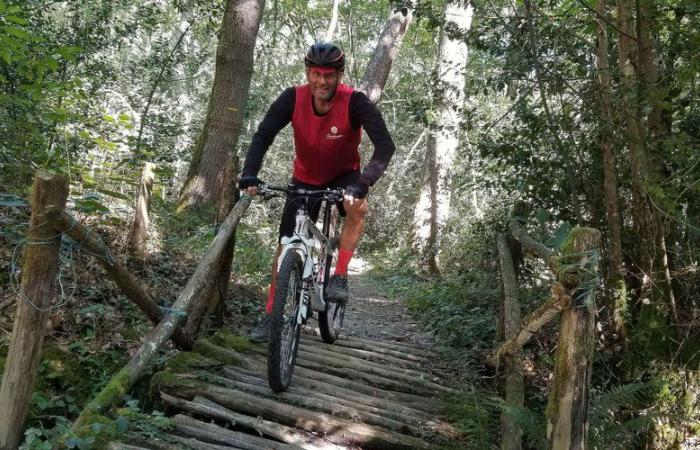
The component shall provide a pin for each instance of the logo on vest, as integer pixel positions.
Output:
(334, 134)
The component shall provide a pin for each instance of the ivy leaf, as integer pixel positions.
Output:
(542, 215)
(122, 424)
(560, 235)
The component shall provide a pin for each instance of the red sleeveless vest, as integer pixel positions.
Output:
(326, 146)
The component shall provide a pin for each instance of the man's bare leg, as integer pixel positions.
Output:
(356, 210)
(354, 223)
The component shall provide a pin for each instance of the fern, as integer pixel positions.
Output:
(618, 419)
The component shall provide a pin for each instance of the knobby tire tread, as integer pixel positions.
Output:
(292, 262)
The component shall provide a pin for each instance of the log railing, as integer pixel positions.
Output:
(572, 295)
(49, 222)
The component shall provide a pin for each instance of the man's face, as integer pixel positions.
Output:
(323, 82)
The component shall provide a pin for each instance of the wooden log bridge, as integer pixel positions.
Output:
(342, 396)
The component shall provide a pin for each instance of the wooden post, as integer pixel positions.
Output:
(64, 222)
(139, 231)
(567, 409)
(38, 273)
(515, 388)
(120, 384)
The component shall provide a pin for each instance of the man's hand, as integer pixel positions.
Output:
(356, 191)
(249, 184)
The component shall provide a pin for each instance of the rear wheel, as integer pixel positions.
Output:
(284, 327)
(330, 321)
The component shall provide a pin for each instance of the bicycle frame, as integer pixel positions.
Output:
(306, 235)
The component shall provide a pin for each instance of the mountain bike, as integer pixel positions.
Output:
(304, 268)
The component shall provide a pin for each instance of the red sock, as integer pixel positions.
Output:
(270, 300)
(344, 257)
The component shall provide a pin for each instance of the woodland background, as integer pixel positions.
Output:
(578, 113)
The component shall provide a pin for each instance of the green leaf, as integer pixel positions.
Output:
(86, 443)
(17, 20)
(542, 215)
(122, 424)
(18, 32)
(560, 235)
(90, 205)
(51, 63)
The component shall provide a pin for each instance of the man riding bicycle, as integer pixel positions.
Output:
(327, 119)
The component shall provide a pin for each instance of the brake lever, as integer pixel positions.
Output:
(267, 195)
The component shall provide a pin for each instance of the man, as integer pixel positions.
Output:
(327, 119)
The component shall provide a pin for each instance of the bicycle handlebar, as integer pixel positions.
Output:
(326, 194)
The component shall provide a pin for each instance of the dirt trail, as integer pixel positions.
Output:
(373, 316)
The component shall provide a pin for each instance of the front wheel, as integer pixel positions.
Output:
(284, 327)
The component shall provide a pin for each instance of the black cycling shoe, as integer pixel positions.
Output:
(261, 332)
(337, 290)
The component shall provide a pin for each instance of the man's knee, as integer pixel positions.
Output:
(357, 211)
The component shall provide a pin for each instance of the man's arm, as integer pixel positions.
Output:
(276, 118)
(365, 113)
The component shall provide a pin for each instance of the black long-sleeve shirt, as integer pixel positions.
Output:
(362, 113)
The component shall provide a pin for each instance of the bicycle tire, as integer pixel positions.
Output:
(284, 328)
(330, 321)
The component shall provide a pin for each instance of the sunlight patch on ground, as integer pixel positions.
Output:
(358, 265)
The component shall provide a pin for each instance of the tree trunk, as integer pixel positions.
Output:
(120, 384)
(658, 130)
(330, 32)
(434, 201)
(139, 231)
(38, 273)
(208, 176)
(567, 409)
(637, 144)
(215, 297)
(617, 289)
(515, 388)
(385, 53)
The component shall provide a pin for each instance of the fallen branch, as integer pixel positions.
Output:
(559, 300)
(68, 225)
(534, 247)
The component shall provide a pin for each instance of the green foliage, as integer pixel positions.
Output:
(133, 419)
(476, 414)
(457, 309)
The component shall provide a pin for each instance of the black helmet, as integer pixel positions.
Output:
(325, 54)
